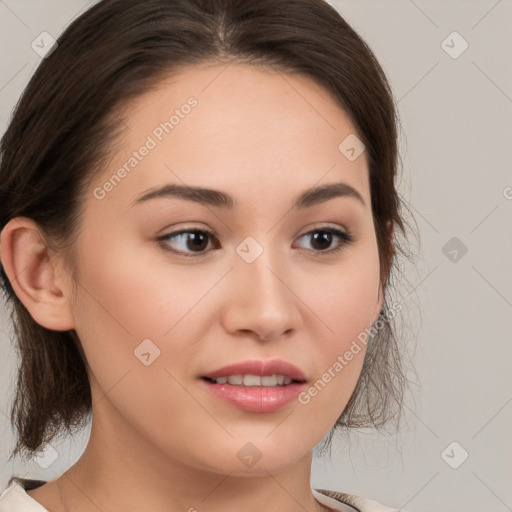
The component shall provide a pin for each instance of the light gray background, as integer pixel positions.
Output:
(456, 152)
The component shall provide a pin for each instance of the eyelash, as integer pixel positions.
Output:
(346, 237)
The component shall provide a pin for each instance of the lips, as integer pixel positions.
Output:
(260, 368)
(256, 397)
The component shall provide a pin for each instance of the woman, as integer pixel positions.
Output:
(199, 225)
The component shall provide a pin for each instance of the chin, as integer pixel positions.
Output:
(246, 460)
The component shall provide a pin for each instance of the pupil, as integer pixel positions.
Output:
(320, 235)
(195, 237)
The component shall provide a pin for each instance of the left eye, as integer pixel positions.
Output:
(195, 240)
(326, 235)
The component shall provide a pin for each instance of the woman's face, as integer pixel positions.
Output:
(264, 285)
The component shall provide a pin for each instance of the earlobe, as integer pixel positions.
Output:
(32, 272)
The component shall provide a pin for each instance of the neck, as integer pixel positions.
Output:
(121, 470)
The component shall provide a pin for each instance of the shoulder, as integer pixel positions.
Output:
(14, 497)
(358, 503)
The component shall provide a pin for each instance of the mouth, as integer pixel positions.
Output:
(256, 386)
(270, 373)
(248, 380)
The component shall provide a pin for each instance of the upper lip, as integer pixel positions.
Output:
(261, 368)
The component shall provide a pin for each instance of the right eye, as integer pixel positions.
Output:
(190, 239)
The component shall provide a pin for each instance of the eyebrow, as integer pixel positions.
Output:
(216, 198)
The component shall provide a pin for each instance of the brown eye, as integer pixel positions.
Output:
(190, 241)
(322, 239)
(193, 240)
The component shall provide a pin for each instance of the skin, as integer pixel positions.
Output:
(158, 438)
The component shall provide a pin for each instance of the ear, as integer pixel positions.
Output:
(380, 299)
(36, 274)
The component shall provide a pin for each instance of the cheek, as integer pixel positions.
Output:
(132, 296)
(128, 296)
(345, 298)
(123, 302)
(345, 309)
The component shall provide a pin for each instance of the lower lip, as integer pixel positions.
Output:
(256, 398)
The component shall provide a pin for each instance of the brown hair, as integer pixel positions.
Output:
(65, 125)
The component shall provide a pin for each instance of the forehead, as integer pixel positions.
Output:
(224, 125)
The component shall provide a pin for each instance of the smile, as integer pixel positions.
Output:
(254, 380)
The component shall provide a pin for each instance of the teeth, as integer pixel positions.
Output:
(267, 381)
(254, 380)
(236, 380)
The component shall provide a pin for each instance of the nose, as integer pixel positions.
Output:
(260, 299)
